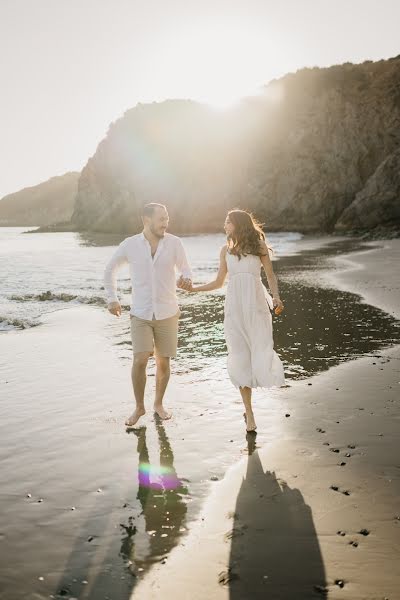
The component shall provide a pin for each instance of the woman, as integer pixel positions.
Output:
(252, 360)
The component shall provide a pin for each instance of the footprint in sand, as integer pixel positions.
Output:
(226, 577)
(233, 533)
(336, 488)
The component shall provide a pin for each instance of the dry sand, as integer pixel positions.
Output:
(316, 513)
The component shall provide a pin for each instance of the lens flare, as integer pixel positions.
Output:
(154, 477)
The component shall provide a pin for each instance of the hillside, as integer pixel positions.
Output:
(317, 151)
(49, 202)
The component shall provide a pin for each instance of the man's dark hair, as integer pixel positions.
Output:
(148, 209)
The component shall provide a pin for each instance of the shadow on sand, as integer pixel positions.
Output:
(274, 546)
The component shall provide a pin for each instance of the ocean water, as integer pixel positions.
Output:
(41, 272)
(45, 272)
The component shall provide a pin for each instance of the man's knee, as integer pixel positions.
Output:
(163, 364)
(141, 359)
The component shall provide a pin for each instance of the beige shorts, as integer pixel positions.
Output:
(158, 334)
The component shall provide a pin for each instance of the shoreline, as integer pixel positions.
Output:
(346, 415)
(370, 275)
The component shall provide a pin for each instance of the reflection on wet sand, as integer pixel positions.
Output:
(162, 497)
(156, 524)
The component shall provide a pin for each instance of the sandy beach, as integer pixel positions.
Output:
(315, 513)
(78, 522)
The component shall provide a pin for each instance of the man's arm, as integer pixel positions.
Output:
(118, 259)
(183, 264)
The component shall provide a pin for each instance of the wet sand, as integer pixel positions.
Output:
(315, 513)
(81, 519)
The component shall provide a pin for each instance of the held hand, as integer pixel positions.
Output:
(184, 284)
(278, 305)
(115, 308)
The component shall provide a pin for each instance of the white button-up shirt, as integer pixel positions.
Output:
(153, 279)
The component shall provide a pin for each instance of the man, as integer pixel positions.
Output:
(152, 257)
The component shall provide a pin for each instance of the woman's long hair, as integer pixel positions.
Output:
(247, 235)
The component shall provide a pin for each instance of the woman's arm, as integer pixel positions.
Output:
(218, 282)
(269, 271)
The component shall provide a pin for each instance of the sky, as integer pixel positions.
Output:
(68, 68)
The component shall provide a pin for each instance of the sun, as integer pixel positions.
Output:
(217, 66)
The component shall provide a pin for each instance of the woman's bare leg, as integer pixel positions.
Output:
(246, 397)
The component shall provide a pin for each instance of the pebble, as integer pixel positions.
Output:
(287, 415)
(334, 449)
(73, 508)
(364, 532)
(351, 446)
(341, 533)
(214, 478)
(41, 578)
(40, 500)
(339, 582)
(348, 454)
(90, 538)
(99, 490)
(334, 487)
(341, 464)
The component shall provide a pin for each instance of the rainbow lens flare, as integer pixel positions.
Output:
(156, 477)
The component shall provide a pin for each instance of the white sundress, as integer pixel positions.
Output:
(252, 360)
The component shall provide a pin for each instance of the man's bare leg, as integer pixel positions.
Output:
(249, 416)
(139, 365)
(162, 377)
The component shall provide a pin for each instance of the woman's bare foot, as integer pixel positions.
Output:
(134, 418)
(250, 422)
(162, 413)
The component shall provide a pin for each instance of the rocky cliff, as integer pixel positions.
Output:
(49, 202)
(316, 151)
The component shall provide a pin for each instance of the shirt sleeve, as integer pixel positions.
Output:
(118, 259)
(182, 261)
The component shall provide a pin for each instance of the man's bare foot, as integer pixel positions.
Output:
(134, 418)
(162, 413)
(250, 422)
